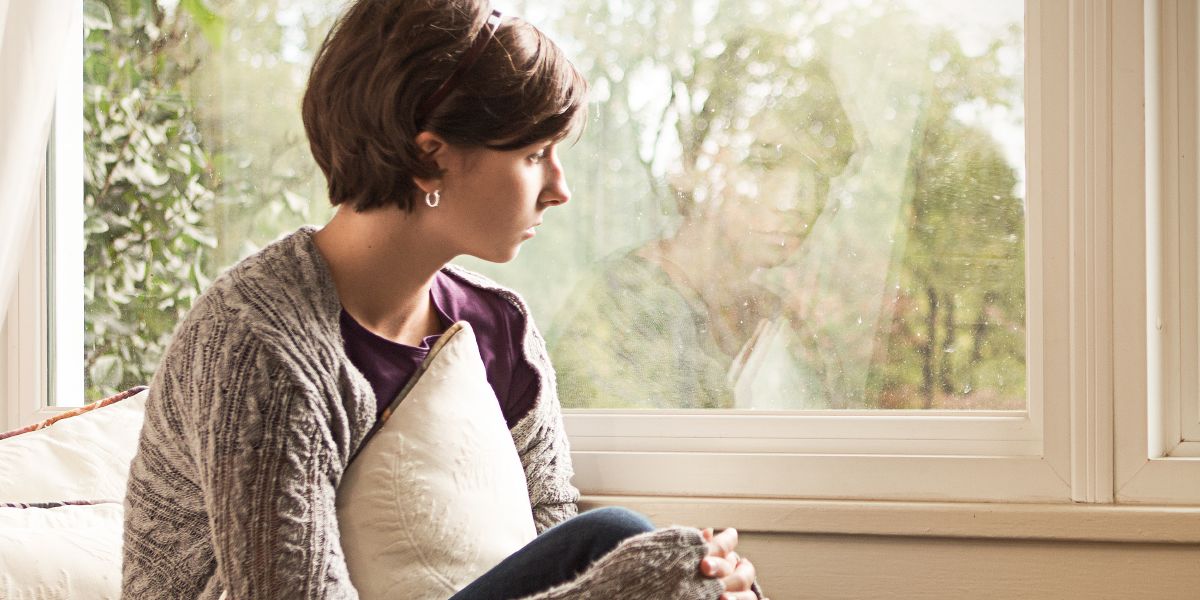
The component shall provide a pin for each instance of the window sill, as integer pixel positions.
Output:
(1056, 522)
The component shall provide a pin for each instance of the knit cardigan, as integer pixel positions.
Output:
(255, 412)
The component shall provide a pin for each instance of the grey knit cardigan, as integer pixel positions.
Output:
(253, 415)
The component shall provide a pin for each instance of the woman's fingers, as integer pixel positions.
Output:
(741, 579)
(735, 573)
(717, 567)
(723, 543)
(738, 596)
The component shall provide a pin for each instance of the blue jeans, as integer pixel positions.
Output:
(557, 556)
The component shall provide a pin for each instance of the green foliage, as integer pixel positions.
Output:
(246, 95)
(212, 25)
(957, 336)
(147, 188)
(191, 163)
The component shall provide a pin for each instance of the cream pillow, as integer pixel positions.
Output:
(437, 496)
(61, 553)
(84, 457)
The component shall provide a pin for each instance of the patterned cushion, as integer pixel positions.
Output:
(69, 552)
(437, 496)
(61, 486)
(83, 454)
(75, 412)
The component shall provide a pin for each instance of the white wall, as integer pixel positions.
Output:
(22, 344)
(829, 567)
(869, 549)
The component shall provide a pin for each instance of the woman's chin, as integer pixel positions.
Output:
(499, 256)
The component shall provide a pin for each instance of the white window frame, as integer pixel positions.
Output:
(1188, 194)
(1061, 451)
(64, 230)
(24, 339)
(1178, 221)
(43, 330)
(1086, 337)
(1156, 376)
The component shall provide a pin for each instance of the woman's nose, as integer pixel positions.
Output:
(556, 191)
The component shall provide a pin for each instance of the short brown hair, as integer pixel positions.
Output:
(383, 58)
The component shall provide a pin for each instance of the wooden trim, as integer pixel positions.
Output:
(1049, 250)
(64, 229)
(1050, 522)
(1186, 183)
(1145, 261)
(1090, 199)
(25, 364)
(938, 478)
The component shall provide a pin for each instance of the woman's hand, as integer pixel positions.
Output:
(721, 562)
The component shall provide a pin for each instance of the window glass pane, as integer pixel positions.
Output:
(196, 157)
(789, 205)
(777, 205)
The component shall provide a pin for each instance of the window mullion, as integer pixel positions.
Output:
(1185, 181)
(65, 247)
(25, 358)
(1092, 181)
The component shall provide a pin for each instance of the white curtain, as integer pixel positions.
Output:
(33, 36)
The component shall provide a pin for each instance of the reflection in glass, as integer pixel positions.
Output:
(792, 206)
(777, 204)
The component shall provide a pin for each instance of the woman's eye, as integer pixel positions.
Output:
(538, 156)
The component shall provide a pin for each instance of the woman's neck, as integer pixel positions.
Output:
(383, 265)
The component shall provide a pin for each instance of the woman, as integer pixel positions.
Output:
(437, 126)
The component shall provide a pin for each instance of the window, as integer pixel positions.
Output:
(1158, 458)
(790, 206)
(196, 157)
(816, 228)
(801, 255)
(845, 179)
(1179, 220)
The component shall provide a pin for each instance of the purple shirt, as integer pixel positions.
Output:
(499, 328)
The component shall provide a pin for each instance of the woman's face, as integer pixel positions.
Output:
(491, 200)
(766, 228)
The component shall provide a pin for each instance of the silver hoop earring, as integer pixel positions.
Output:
(432, 200)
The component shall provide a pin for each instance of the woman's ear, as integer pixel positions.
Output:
(433, 149)
(431, 144)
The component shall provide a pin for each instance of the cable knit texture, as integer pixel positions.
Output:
(253, 415)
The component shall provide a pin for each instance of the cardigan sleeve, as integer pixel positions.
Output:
(541, 442)
(658, 565)
(237, 453)
(551, 504)
(269, 484)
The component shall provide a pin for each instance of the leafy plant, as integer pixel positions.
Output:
(147, 187)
